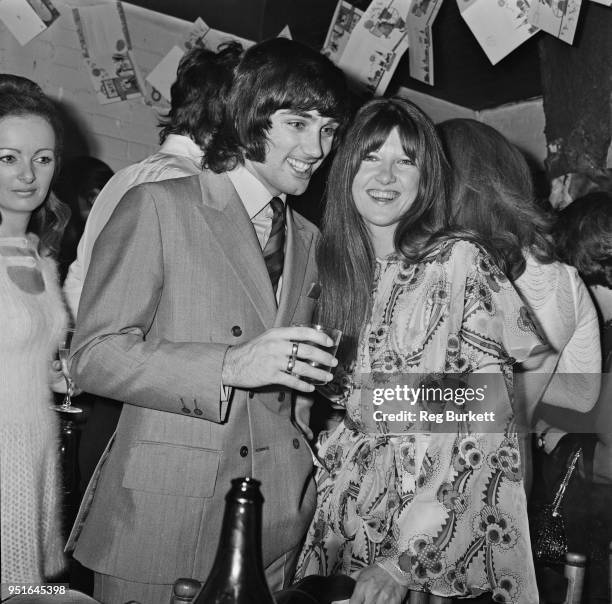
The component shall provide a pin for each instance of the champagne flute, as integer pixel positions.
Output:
(63, 351)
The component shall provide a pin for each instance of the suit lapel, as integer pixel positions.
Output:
(229, 222)
(296, 259)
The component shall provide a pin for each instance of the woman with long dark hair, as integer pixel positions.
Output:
(31, 323)
(407, 502)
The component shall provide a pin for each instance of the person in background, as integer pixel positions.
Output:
(31, 322)
(492, 194)
(79, 183)
(403, 505)
(184, 315)
(583, 238)
(197, 102)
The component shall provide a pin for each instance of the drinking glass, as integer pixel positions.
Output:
(335, 335)
(63, 351)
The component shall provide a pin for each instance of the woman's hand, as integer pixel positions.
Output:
(57, 380)
(376, 586)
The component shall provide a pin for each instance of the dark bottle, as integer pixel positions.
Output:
(237, 575)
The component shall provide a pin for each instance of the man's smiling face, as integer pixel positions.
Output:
(297, 143)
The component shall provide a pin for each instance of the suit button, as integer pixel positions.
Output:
(236, 331)
(281, 396)
(244, 451)
(296, 443)
(251, 394)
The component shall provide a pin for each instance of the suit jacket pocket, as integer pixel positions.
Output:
(172, 469)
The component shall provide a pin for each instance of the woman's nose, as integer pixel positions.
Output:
(385, 173)
(27, 173)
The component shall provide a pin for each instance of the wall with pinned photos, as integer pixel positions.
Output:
(125, 132)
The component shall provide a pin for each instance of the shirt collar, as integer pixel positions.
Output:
(253, 194)
(178, 144)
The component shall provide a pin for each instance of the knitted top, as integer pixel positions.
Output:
(32, 318)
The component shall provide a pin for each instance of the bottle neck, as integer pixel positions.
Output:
(239, 547)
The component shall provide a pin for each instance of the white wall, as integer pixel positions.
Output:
(522, 123)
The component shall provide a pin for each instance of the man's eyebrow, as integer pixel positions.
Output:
(307, 115)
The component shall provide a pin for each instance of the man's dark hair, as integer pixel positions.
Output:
(275, 74)
(203, 80)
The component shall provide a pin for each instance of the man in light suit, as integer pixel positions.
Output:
(183, 316)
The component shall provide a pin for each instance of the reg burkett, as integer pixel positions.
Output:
(427, 416)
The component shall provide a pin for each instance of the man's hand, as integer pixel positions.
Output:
(265, 359)
(376, 586)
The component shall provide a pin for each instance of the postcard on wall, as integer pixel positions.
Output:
(376, 44)
(557, 17)
(25, 19)
(45, 10)
(346, 16)
(206, 37)
(106, 48)
(604, 2)
(196, 34)
(499, 27)
(420, 20)
(164, 74)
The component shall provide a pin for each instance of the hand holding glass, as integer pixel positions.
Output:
(63, 350)
(334, 335)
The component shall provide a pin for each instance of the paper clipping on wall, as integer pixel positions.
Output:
(604, 2)
(285, 33)
(376, 45)
(346, 16)
(500, 26)
(25, 19)
(420, 20)
(556, 17)
(206, 37)
(106, 47)
(164, 74)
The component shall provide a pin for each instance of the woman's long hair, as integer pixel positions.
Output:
(22, 97)
(345, 255)
(492, 194)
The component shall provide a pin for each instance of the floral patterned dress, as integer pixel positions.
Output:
(442, 510)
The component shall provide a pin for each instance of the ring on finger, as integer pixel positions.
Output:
(290, 364)
(294, 350)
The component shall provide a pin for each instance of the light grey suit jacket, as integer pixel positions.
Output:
(176, 276)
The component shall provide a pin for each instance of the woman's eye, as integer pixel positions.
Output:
(406, 161)
(370, 157)
(297, 125)
(7, 159)
(44, 159)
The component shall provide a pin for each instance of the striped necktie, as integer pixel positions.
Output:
(274, 250)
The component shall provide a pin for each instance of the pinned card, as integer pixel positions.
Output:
(206, 37)
(164, 74)
(346, 16)
(106, 48)
(21, 20)
(420, 20)
(285, 33)
(376, 44)
(556, 17)
(499, 27)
